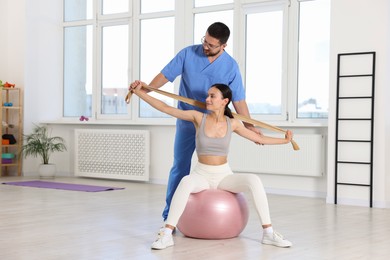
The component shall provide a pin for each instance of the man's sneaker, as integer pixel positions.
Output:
(275, 239)
(163, 241)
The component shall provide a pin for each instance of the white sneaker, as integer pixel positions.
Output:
(275, 239)
(162, 228)
(163, 241)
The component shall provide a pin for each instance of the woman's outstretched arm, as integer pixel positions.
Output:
(240, 129)
(188, 115)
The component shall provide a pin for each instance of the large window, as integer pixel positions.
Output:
(313, 66)
(114, 68)
(264, 60)
(96, 58)
(153, 6)
(281, 46)
(114, 6)
(153, 59)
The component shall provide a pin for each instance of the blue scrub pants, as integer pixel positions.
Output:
(184, 148)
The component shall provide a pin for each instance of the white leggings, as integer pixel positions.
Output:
(221, 177)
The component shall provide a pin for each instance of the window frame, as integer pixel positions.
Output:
(184, 14)
(135, 65)
(282, 5)
(98, 76)
(294, 67)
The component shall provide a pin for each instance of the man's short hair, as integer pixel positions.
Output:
(219, 31)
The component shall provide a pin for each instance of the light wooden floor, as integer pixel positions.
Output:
(55, 224)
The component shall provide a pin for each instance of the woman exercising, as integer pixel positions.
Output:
(213, 134)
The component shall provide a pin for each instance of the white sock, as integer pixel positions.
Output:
(168, 231)
(269, 230)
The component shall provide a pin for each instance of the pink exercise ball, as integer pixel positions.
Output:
(214, 214)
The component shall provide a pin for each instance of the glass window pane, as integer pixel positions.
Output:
(75, 10)
(204, 20)
(78, 71)
(154, 56)
(115, 6)
(313, 75)
(200, 3)
(151, 6)
(115, 53)
(264, 42)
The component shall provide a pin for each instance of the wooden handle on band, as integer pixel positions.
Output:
(203, 106)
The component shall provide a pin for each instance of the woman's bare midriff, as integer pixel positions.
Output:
(212, 159)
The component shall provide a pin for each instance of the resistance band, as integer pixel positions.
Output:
(203, 106)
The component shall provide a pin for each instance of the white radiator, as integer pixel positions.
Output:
(246, 156)
(112, 154)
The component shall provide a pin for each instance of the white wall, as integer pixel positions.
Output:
(387, 118)
(43, 61)
(31, 55)
(38, 67)
(12, 41)
(358, 26)
(3, 41)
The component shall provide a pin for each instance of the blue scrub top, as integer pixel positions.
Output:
(198, 74)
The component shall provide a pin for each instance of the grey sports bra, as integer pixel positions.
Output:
(213, 146)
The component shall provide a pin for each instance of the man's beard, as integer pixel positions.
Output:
(208, 53)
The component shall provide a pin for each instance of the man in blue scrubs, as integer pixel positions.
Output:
(200, 66)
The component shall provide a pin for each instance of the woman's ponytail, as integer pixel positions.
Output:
(228, 112)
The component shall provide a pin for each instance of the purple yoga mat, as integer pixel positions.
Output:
(61, 186)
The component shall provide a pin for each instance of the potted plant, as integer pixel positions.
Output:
(41, 144)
